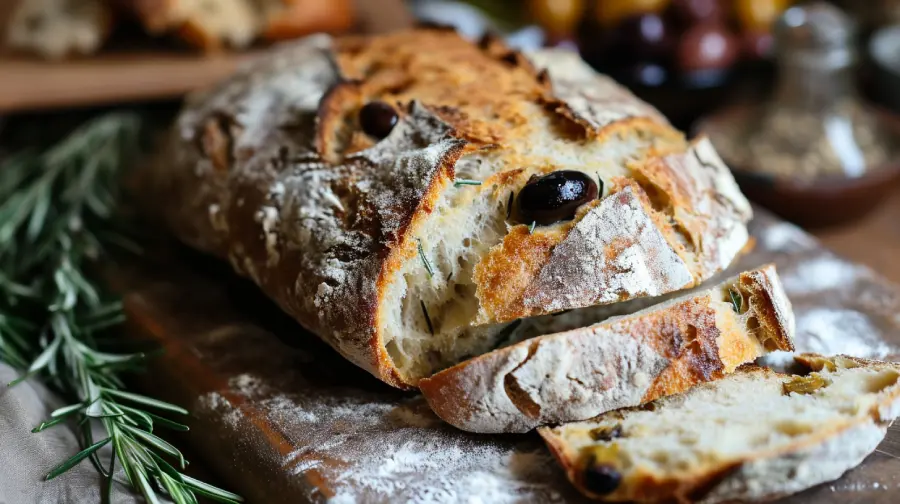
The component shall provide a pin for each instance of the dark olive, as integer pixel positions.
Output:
(555, 197)
(706, 47)
(377, 119)
(601, 479)
(688, 12)
(606, 433)
(642, 37)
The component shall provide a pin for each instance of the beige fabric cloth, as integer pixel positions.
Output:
(25, 458)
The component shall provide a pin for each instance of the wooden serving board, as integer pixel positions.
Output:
(280, 417)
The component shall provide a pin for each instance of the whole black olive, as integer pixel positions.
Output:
(555, 197)
(377, 119)
(601, 479)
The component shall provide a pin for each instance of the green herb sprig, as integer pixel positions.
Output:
(56, 217)
(737, 301)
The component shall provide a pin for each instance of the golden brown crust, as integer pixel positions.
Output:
(776, 314)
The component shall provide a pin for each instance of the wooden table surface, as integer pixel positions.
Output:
(873, 241)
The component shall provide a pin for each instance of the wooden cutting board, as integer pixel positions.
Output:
(280, 417)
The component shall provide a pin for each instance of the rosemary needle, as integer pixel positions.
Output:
(427, 318)
(427, 264)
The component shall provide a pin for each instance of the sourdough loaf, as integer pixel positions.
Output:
(754, 435)
(408, 254)
(624, 361)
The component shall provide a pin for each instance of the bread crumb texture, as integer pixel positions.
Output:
(372, 245)
(753, 435)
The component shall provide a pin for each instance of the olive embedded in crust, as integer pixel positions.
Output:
(377, 119)
(606, 433)
(601, 479)
(555, 197)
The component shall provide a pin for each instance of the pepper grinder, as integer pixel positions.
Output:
(814, 144)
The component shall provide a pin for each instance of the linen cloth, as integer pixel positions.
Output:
(26, 458)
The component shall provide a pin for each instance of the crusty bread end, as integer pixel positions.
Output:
(751, 436)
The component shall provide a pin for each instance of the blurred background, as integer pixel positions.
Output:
(801, 98)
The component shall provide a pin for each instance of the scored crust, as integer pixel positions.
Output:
(271, 171)
(624, 361)
(807, 458)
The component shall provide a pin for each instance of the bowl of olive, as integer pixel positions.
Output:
(679, 55)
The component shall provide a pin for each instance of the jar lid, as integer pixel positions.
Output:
(816, 34)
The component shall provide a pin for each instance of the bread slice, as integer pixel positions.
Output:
(624, 361)
(753, 435)
(407, 253)
(55, 29)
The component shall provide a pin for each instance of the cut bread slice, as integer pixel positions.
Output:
(624, 361)
(753, 435)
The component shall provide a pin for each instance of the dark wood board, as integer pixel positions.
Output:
(280, 417)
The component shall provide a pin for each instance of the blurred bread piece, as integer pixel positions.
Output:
(206, 24)
(288, 19)
(213, 25)
(55, 29)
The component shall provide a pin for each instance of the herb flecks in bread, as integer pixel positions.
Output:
(745, 437)
(328, 219)
(623, 361)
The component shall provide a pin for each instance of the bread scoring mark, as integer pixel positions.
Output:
(517, 394)
(217, 141)
(591, 100)
(334, 125)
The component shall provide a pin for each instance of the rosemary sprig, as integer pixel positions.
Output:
(531, 227)
(462, 182)
(56, 211)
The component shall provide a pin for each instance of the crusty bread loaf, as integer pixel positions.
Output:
(385, 248)
(212, 25)
(58, 28)
(625, 361)
(754, 435)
